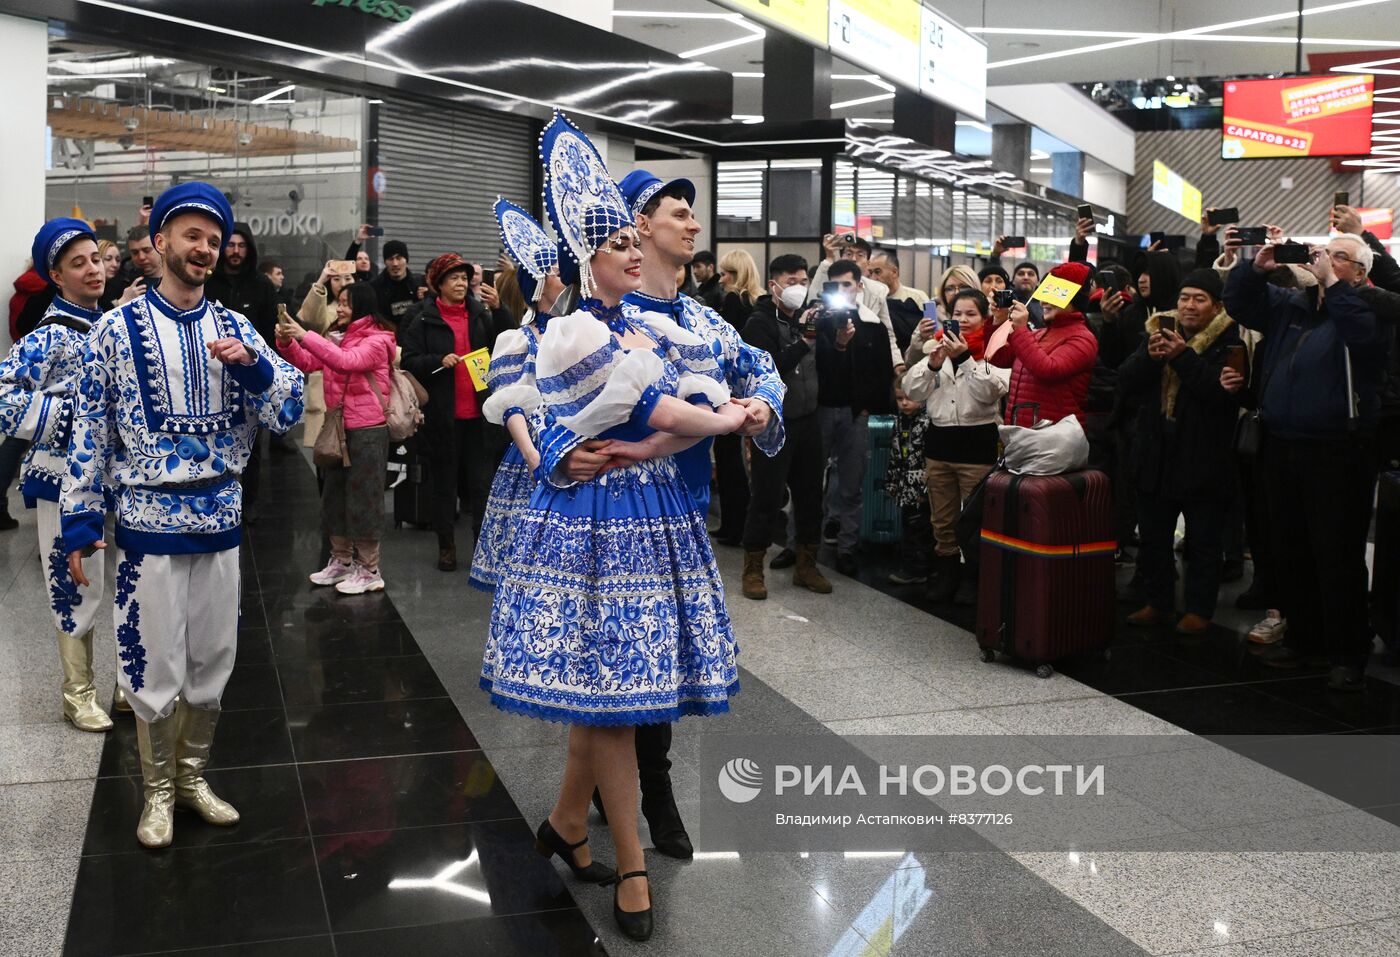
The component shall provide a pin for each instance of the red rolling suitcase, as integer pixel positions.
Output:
(1046, 589)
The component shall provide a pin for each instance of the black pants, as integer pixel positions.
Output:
(916, 547)
(733, 483)
(1320, 494)
(653, 759)
(462, 471)
(251, 478)
(1255, 491)
(798, 466)
(1205, 524)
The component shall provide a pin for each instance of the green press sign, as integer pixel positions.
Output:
(379, 8)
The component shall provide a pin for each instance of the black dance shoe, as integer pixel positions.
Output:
(637, 925)
(548, 843)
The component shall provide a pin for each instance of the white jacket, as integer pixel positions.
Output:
(965, 393)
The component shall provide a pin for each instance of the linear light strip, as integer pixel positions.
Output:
(1182, 34)
(863, 100)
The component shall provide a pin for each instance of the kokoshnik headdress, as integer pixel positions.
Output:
(528, 244)
(583, 202)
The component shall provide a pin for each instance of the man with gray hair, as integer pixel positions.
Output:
(1318, 382)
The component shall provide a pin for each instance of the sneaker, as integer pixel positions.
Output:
(361, 581)
(336, 571)
(908, 576)
(829, 532)
(1270, 630)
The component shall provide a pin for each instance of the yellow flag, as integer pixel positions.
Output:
(477, 364)
(1056, 291)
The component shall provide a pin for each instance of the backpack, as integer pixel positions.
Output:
(402, 410)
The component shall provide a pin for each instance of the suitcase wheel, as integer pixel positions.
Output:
(989, 654)
(1044, 671)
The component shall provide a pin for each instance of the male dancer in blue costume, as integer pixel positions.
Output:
(173, 391)
(37, 383)
(668, 230)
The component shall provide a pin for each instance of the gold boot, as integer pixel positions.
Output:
(119, 697)
(191, 790)
(80, 706)
(156, 741)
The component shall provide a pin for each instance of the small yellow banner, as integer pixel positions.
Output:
(477, 364)
(1056, 291)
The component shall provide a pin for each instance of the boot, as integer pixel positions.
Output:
(119, 697)
(947, 571)
(7, 522)
(668, 833)
(967, 592)
(80, 708)
(806, 574)
(156, 742)
(753, 585)
(191, 790)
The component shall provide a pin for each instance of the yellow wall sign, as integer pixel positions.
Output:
(1056, 291)
(477, 364)
(806, 18)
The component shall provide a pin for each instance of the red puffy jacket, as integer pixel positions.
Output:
(1050, 367)
(28, 283)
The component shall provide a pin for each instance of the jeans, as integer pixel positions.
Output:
(1320, 495)
(846, 438)
(1205, 526)
(798, 467)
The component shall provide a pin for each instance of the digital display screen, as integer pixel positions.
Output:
(1327, 115)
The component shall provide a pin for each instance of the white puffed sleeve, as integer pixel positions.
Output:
(589, 384)
(701, 376)
(511, 378)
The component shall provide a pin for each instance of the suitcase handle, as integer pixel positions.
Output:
(1023, 405)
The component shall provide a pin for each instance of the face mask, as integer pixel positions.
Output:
(793, 297)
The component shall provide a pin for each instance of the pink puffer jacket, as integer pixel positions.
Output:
(365, 348)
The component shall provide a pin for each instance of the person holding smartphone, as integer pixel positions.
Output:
(962, 393)
(1184, 428)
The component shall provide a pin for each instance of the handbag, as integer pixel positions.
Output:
(331, 450)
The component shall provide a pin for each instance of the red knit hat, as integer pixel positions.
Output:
(1077, 273)
(444, 264)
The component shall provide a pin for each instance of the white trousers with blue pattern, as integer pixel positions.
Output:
(74, 606)
(177, 628)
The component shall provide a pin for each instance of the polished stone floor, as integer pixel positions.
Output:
(387, 807)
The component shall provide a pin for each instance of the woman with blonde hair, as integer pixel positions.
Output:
(738, 275)
(955, 279)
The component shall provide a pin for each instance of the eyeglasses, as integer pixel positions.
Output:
(1338, 256)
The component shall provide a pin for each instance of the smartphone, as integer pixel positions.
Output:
(931, 314)
(1107, 280)
(1289, 253)
(847, 239)
(1341, 198)
(488, 276)
(1155, 237)
(1235, 359)
(1003, 298)
(1166, 323)
(340, 267)
(1251, 235)
(1223, 217)
(1084, 211)
(952, 328)
(376, 231)
(833, 296)
(1014, 242)
(1173, 241)
(148, 200)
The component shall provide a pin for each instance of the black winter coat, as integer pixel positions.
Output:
(247, 291)
(1189, 457)
(425, 337)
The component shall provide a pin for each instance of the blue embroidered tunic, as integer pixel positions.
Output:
(163, 429)
(610, 610)
(38, 380)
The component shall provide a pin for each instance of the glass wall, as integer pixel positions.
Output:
(124, 126)
(773, 207)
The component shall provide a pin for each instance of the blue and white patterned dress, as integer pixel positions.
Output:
(610, 610)
(513, 392)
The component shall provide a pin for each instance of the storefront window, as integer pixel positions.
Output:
(123, 126)
(740, 198)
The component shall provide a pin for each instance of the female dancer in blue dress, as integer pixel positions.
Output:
(515, 400)
(610, 611)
